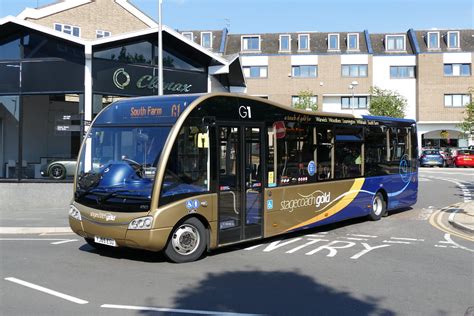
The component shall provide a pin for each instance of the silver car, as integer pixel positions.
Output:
(59, 169)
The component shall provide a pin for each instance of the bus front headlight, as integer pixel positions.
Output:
(74, 213)
(141, 223)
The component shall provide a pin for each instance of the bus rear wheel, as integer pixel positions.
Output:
(379, 207)
(187, 241)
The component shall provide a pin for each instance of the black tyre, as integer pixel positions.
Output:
(379, 207)
(187, 242)
(57, 172)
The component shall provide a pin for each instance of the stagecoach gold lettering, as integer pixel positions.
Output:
(107, 217)
(316, 198)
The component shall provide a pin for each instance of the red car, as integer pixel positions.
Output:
(464, 158)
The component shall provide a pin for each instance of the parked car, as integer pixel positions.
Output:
(464, 158)
(447, 156)
(432, 157)
(59, 169)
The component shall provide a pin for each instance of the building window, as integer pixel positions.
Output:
(353, 41)
(354, 70)
(433, 40)
(305, 71)
(206, 39)
(250, 43)
(455, 70)
(303, 41)
(395, 43)
(188, 35)
(100, 34)
(333, 42)
(68, 29)
(296, 99)
(453, 39)
(359, 103)
(400, 72)
(285, 43)
(255, 71)
(456, 100)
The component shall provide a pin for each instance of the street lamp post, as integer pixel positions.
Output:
(352, 86)
(160, 50)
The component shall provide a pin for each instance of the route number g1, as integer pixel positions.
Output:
(245, 112)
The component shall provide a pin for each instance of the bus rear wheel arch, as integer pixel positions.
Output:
(379, 206)
(188, 241)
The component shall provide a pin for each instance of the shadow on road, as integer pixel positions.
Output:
(270, 293)
(125, 253)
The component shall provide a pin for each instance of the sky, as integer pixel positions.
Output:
(274, 16)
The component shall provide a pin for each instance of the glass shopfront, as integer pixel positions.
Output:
(41, 105)
(43, 98)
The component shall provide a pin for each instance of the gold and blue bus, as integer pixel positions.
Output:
(185, 174)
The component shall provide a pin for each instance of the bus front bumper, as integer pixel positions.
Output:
(147, 239)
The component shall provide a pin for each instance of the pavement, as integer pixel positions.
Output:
(462, 217)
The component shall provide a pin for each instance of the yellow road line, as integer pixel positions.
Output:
(435, 221)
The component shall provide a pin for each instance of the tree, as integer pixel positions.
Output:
(305, 101)
(467, 125)
(386, 103)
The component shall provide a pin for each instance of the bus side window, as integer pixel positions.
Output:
(324, 147)
(376, 163)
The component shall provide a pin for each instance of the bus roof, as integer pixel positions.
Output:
(146, 110)
(387, 119)
(165, 110)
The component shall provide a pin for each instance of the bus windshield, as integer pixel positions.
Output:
(117, 167)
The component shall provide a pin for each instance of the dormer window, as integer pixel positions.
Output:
(453, 39)
(333, 41)
(206, 39)
(285, 43)
(68, 29)
(433, 40)
(250, 43)
(188, 35)
(303, 42)
(100, 34)
(395, 43)
(353, 41)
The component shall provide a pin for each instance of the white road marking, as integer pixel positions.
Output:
(364, 236)
(169, 310)
(440, 246)
(407, 239)
(63, 241)
(354, 238)
(310, 242)
(252, 247)
(47, 291)
(332, 249)
(367, 249)
(397, 242)
(318, 235)
(448, 238)
(277, 244)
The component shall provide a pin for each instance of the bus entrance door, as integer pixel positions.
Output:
(240, 183)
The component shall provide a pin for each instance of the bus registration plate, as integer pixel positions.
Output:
(105, 241)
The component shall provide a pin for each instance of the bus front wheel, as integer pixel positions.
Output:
(187, 241)
(379, 207)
